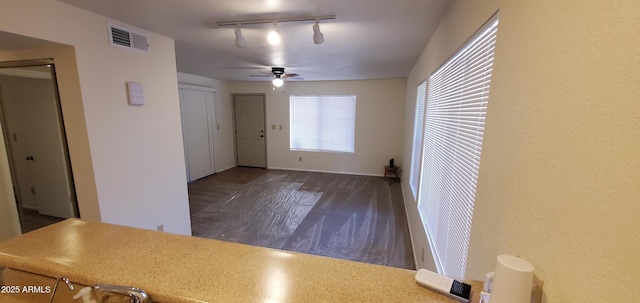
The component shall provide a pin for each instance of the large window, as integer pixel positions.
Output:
(322, 123)
(417, 138)
(454, 127)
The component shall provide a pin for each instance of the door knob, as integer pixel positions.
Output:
(30, 158)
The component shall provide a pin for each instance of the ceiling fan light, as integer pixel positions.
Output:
(277, 82)
(240, 41)
(318, 37)
(274, 37)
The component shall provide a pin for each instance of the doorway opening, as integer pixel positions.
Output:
(35, 141)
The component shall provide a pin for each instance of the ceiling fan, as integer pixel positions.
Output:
(278, 75)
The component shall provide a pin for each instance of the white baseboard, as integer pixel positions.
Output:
(326, 171)
(226, 168)
(406, 214)
(30, 207)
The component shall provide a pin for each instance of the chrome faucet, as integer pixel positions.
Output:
(137, 295)
(55, 287)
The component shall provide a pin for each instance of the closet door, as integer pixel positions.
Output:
(198, 129)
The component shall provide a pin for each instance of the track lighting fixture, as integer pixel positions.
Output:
(274, 36)
(318, 37)
(240, 41)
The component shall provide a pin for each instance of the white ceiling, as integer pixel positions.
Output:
(369, 39)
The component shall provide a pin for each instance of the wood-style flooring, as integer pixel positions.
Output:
(32, 220)
(358, 218)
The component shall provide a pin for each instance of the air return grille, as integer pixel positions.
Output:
(122, 37)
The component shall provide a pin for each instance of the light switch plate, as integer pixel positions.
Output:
(134, 92)
(536, 293)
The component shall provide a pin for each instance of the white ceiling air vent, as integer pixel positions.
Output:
(124, 37)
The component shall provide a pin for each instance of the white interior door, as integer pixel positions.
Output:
(197, 107)
(250, 130)
(37, 142)
(51, 176)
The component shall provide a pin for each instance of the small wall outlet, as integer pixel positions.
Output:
(300, 158)
(536, 289)
(536, 293)
(160, 227)
(273, 126)
(280, 127)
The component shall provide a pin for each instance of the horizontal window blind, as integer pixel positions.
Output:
(322, 123)
(454, 128)
(418, 126)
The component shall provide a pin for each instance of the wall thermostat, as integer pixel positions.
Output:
(134, 92)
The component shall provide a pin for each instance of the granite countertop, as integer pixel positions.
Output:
(175, 268)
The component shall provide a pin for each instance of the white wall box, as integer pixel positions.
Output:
(134, 92)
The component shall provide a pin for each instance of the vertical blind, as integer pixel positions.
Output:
(454, 129)
(417, 138)
(322, 123)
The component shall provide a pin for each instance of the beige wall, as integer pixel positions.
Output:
(559, 180)
(128, 161)
(379, 124)
(224, 139)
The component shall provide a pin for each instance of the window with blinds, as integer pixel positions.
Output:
(454, 127)
(322, 123)
(417, 138)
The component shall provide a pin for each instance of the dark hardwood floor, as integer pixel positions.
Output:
(358, 218)
(32, 220)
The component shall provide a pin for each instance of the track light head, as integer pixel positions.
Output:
(240, 41)
(318, 37)
(274, 36)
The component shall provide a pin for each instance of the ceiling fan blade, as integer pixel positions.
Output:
(293, 76)
(243, 67)
(260, 76)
